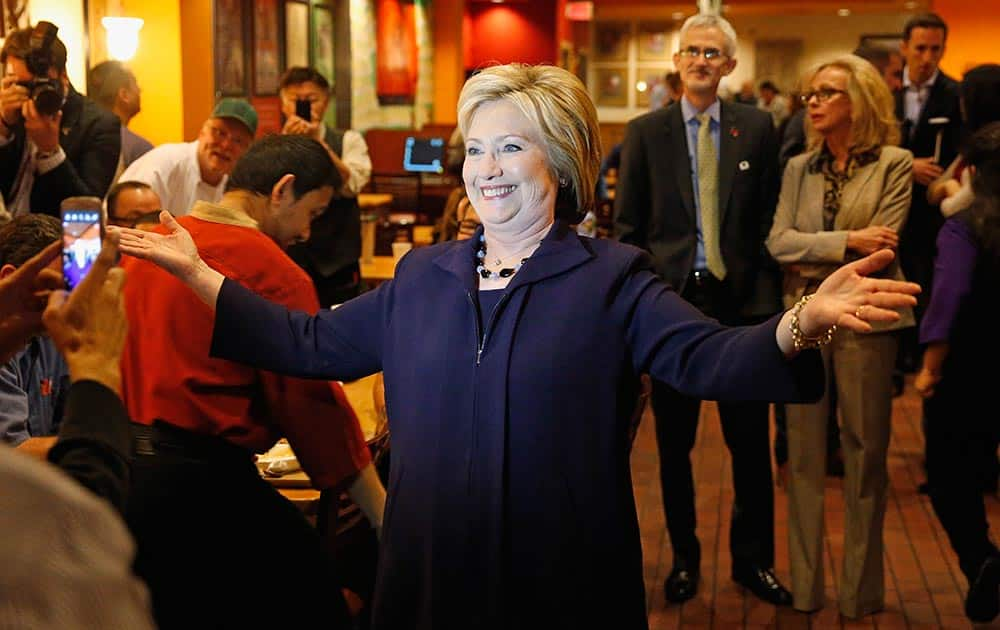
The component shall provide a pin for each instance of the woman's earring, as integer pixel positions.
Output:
(563, 183)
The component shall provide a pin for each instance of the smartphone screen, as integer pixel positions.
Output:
(303, 109)
(81, 243)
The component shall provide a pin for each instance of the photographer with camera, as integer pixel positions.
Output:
(54, 142)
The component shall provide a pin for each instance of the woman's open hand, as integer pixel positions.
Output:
(174, 251)
(850, 298)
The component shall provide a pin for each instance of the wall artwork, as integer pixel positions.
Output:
(396, 52)
(612, 86)
(611, 41)
(230, 52)
(296, 34)
(323, 40)
(266, 51)
(654, 40)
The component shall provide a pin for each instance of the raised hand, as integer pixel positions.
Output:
(23, 295)
(88, 326)
(174, 251)
(849, 298)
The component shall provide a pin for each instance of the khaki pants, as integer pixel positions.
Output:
(863, 366)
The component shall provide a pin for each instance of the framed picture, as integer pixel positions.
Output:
(649, 83)
(889, 41)
(612, 86)
(296, 33)
(611, 41)
(654, 40)
(323, 40)
(230, 48)
(266, 53)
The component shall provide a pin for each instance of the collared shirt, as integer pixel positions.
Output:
(33, 387)
(355, 156)
(691, 123)
(834, 181)
(914, 96)
(172, 171)
(169, 374)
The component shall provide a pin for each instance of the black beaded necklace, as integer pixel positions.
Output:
(486, 274)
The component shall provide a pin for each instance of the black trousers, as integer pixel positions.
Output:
(218, 546)
(745, 429)
(957, 437)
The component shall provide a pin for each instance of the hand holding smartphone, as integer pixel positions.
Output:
(83, 235)
(303, 109)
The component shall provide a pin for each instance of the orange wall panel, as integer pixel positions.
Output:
(972, 34)
(196, 59)
(449, 44)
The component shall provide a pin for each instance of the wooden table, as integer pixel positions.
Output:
(374, 200)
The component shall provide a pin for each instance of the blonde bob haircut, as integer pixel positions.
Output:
(873, 110)
(558, 105)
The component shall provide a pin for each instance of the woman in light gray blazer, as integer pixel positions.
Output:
(845, 198)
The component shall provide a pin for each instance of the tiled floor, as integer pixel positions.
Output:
(924, 587)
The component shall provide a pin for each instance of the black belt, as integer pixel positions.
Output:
(162, 438)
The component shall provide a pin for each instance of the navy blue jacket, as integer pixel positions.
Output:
(510, 498)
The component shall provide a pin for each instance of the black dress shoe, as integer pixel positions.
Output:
(764, 584)
(681, 585)
(983, 601)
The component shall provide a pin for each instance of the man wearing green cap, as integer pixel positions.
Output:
(186, 172)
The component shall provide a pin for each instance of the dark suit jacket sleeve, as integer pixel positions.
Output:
(90, 171)
(94, 441)
(343, 344)
(675, 343)
(793, 140)
(632, 193)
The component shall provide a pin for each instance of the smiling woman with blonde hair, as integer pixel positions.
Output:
(512, 364)
(844, 199)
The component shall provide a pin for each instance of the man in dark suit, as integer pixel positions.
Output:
(697, 188)
(927, 106)
(330, 256)
(45, 158)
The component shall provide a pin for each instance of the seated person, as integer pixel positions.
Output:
(67, 554)
(35, 381)
(133, 204)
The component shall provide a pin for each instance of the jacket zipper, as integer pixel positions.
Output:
(483, 334)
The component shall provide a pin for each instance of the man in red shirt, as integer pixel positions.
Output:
(212, 535)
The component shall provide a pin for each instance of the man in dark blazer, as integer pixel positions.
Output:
(658, 206)
(927, 107)
(47, 158)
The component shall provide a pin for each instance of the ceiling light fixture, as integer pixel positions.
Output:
(843, 12)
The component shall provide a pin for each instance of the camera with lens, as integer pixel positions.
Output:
(47, 93)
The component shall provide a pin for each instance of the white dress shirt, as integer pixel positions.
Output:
(172, 171)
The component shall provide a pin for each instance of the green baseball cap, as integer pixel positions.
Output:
(237, 109)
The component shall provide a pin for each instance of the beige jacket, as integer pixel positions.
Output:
(877, 194)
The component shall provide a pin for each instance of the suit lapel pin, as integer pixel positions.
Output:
(65, 131)
(734, 132)
(744, 165)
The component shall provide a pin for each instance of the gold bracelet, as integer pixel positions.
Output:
(800, 341)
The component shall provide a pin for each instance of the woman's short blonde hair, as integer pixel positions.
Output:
(558, 105)
(873, 109)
